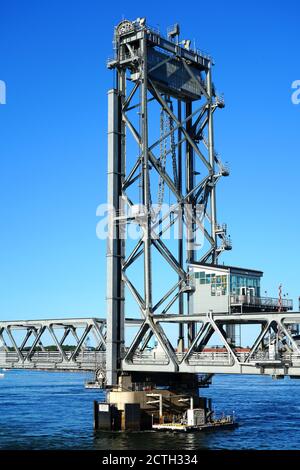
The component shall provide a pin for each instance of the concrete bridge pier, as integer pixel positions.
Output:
(139, 401)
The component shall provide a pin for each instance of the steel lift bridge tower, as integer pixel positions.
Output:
(164, 240)
(162, 176)
(168, 298)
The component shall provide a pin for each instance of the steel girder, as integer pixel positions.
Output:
(141, 56)
(17, 352)
(275, 349)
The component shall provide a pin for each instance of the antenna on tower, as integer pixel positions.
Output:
(280, 298)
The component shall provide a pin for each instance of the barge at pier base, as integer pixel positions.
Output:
(228, 423)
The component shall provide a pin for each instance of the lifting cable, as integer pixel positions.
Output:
(166, 127)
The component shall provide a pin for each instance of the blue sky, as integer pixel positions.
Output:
(53, 142)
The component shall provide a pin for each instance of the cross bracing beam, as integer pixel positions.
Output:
(59, 344)
(160, 138)
(275, 348)
(49, 349)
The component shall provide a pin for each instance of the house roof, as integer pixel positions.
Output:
(231, 268)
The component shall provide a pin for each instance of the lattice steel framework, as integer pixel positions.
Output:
(273, 349)
(160, 138)
(23, 344)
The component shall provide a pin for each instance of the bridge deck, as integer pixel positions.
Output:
(276, 350)
(52, 360)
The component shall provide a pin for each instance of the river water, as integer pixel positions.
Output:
(53, 410)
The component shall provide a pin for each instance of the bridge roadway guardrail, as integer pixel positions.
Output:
(86, 360)
(216, 358)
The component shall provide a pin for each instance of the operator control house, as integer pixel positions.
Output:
(228, 289)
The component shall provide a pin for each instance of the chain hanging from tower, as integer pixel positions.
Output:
(166, 129)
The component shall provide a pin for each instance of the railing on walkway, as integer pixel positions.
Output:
(267, 302)
(85, 360)
(216, 358)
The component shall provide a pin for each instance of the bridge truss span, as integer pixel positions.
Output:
(274, 348)
(58, 344)
(44, 345)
